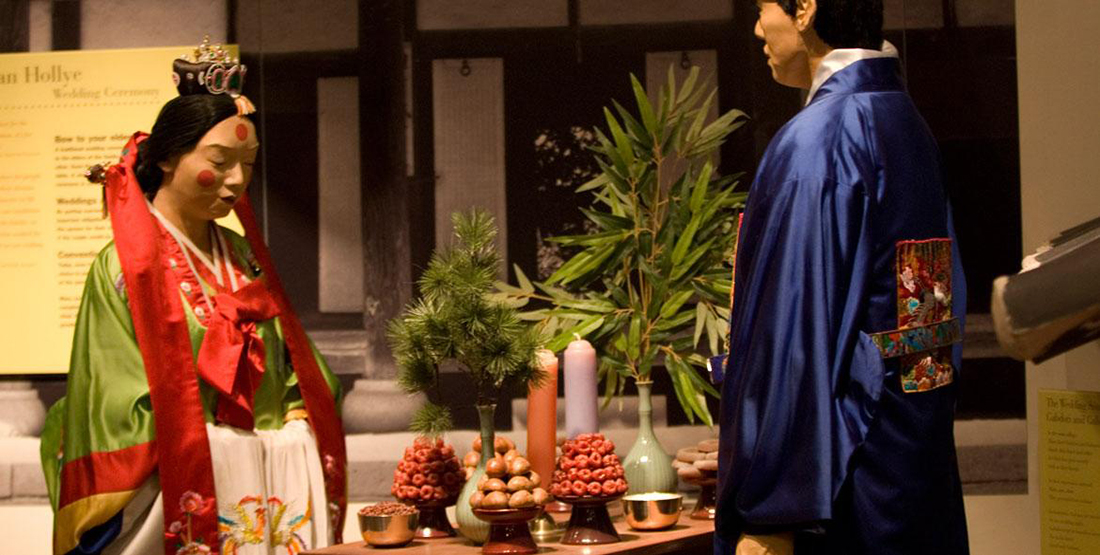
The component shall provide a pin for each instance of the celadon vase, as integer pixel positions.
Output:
(648, 466)
(470, 526)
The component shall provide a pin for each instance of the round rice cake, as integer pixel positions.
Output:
(689, 473)
(706, 465)
(708, 446)
(689, 455)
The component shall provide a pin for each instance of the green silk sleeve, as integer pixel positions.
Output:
(107, 407)
(50, 450)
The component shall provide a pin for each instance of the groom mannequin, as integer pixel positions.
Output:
(838, 398)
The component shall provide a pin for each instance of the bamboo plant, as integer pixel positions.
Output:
(456, 321)
(654, 279)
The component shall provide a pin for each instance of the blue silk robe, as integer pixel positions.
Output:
(818, 431)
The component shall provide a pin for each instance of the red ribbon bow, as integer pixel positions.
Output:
(231, 358)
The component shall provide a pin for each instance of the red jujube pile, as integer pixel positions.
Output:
(588, 467)
(429, 471)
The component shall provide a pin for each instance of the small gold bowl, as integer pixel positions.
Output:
(652, 511)
(390, 530)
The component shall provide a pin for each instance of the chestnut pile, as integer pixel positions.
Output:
(509, 483)
(588, 467)
(501, 445)
(429, 471)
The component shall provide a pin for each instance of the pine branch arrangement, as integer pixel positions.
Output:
(655, 277)
(456, 320)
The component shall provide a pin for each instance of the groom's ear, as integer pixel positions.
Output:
(805, 12)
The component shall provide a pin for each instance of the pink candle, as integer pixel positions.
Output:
(542, 418)
(581, 400)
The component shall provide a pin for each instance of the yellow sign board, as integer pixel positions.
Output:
(1069, 471)
(61, 112)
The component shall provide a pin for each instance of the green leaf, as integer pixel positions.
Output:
(506, 288)
(611, 383)
(689, 105)
(592, 239)
(598, 257)
(700, 383)
(684, 242)
(681, 318)
(689, 84)
(681, 395)
(680, 269)
(648, 119)
(700, 322)
(524, 283)
(611, 324)
(723, 126)
(622, 142)
(595, 183)
(555, 292)
(673, 304)
(701, 117)
(723, 313)
(608, 221)
(645, 367)
(609, 149)
(694, 403)
(569, 314)
(700, 191)
(617, 181)
(633, 342)
(637, 133)
(582, 329)
(569, 269)
(591, 305)
(712, 329)
(507, 300)
(534, 315)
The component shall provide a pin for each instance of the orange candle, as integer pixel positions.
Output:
(542, 419)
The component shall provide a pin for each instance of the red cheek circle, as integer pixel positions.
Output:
(242, 131)
(206, 178)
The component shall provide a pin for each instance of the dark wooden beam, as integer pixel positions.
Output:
(66, 24)
(422, 187)
(497, 43)
(14, 25)
(387, 274)
(231, 21)
(950, 16)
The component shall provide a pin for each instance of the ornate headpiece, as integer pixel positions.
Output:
(211, 70)
(208, 70)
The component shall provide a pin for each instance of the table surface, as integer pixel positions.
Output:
(687, 536)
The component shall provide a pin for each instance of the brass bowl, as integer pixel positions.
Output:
(388, 531)
(652, 511)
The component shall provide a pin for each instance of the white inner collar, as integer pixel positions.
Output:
(220, 252)
(841, 58)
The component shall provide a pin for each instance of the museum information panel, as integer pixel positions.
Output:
(1069, 471)
(61, 112)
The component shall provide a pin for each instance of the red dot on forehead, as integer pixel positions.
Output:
(206, 178)
(242, 131)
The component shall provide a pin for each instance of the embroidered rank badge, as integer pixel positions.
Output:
(926, 328)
